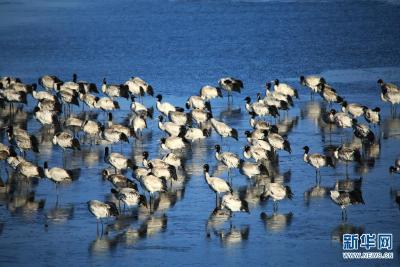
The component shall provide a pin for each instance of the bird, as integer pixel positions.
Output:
(317, 161)
(22, 139)
(391, 96)
(201, 116)
(66, 141)
(216, 184)
(251, 169)
(277, 192)
(152, 184)
(356, 110)
(277, 141)
(92, 128)
(224, 130)
(59, 175)
(372, 115)
(117, 160)
(172, 143)
(102, 210)
(390, 87)
(129, 196)
(229, 159)
(258, 124)
(195, 134)
(234, 203)
(347, 154)
(230, 85)
(88, 99)
(285, 89)
(363, 132)
(341, 119)
(106, 104)
(396, 167)
(158, 163)
(195, 101)
(139, 87)
(329, 94)
(345, 199)
(170, 128)
(209, 92)
(312, 82)
(278, 100)
(45, 117)
(49, 82)
(118, 180)
(174, 160)
(180, 118)
(115, 90)
(165, 107)
(140, 109)
(113, 136)
(119, 127)
(259, 154)
(168, 172)
(260, 109)
(139, 123)
(30, 170)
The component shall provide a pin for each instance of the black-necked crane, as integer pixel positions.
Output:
(22, 139)
(195, 134)
(312, 82)
(209, 92)
(102, 210)
(130, 197)
(372, 115)
(363, 132)
(356, 110)
(224, 130)
(317, 161)
(347, 154)
(165, 107)
(277, 192)
(251, 169)
(170, 128)
(49, 82)
(234, 203)
(216, 184)
(118, 180)
(229, 159)
(285, 89)
(173, 143)
(115, 90)
(117, 160)
(194, 102)
(329, 94)
(396, 167)
(140, 109)
(230, 85)
(346, 198)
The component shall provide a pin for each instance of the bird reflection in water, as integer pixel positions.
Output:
(234, 235)
(395, 194)
(60, 214)
(217, 220)
(345, 228)
(390, 128)
(316, 192)
(276, 222)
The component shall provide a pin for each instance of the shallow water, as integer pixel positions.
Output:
(178, 47)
